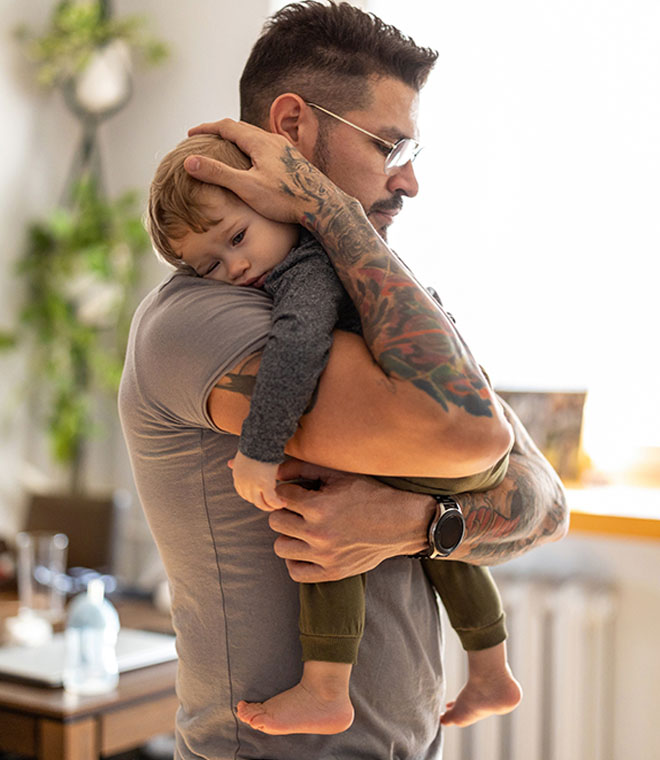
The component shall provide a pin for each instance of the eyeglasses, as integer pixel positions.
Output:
(403, 150)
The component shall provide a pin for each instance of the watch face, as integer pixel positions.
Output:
(449, 531)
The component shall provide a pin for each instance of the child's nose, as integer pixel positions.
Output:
(239, 267)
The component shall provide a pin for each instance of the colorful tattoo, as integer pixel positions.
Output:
(528, 508)
(408, 333)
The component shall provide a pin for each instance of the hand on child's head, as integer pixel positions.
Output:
(256, 482)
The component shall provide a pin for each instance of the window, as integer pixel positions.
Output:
(538, 217)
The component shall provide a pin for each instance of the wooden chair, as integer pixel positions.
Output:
(91, 523)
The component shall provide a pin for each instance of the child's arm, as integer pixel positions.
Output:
(306, 299)
(256, 481)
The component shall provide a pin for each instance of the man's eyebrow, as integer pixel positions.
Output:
(393, 134)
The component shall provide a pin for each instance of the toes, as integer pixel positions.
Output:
(248, 712)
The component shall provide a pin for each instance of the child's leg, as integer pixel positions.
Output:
(331, 626)
(474, 608)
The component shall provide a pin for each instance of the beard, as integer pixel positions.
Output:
(321, 156)
(321, 160)
(387, 206)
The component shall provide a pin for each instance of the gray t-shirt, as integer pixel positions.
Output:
(234, 608)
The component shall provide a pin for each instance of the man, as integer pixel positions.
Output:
(339, 88)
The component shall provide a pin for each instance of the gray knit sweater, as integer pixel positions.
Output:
(309, 302)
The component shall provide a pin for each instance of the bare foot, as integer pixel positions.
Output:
(491, 689)
(477, 701)
(319, 704)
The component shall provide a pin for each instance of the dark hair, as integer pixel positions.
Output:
(325, 52)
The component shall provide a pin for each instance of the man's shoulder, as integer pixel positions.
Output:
(185, 334)
(181, 304)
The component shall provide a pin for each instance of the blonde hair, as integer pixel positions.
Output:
(174, 196)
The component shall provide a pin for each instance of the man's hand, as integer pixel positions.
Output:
(256, 481)
(348, 526)
(281, 184)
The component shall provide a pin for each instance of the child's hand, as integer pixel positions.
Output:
(255, 481)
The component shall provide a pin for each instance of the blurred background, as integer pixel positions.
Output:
(536, 222)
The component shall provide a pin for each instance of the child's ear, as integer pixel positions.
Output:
(292, 118)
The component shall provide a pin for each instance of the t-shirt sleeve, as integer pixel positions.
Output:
(185, 336)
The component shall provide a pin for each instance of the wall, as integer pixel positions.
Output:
(210, 41)
(633, 568)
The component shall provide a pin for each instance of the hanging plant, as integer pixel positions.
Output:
(78, 30)
(81, 263)
(80, 269)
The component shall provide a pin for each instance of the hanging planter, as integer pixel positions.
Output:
(81, 263)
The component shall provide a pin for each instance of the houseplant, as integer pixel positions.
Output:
(81, 263)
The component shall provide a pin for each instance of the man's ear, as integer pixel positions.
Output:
(293, 119)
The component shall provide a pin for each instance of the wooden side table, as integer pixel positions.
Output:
(49, 724)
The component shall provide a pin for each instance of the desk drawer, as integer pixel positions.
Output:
(131, 726)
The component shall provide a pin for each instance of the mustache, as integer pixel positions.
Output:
(387, 206)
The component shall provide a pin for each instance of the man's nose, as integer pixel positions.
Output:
(403, 181)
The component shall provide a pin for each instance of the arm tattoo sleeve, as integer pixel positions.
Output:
(409, 335)
(527, 509)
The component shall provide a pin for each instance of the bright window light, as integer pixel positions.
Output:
(538, 217)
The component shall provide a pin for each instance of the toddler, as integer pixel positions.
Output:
(209, 232)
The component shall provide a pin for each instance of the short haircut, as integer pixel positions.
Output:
(327, 53)
(174, 206)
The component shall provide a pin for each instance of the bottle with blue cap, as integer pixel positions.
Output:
(90, 665)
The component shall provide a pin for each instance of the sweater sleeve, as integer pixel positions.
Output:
(307, 299)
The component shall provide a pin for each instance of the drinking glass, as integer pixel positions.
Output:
(41, 568)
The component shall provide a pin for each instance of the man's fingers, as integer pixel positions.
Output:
(291, 548)
(212, 171)
(306, 572)
(210, 128)
(238, 132)
(287, 523)
(292, 469)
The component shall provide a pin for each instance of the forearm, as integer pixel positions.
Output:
(408, 333)
(526, 510)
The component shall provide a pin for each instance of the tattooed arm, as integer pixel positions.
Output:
(323, 540)
(526, 510)
(397, 410)
(424, 379)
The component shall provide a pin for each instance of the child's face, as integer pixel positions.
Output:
(242, 248)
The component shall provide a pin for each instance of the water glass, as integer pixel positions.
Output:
(41, 568)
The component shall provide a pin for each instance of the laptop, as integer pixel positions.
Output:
(43, 665)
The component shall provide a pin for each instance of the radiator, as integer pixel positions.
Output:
(561, 649)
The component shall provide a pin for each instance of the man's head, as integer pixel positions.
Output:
(352, 64)
(207, 230)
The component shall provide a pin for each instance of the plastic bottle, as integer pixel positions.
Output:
(90, 665)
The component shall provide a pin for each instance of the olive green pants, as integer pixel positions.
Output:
(332, 614)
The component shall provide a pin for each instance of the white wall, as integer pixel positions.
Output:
(210, 41)
(632, 567)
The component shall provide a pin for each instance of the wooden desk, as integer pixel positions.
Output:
(50, 724)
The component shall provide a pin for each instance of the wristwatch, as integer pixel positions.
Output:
(446, 529)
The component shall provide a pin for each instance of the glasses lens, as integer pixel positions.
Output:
(404, 151)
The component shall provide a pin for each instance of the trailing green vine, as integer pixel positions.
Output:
(80, 269)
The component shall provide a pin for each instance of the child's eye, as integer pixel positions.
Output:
(238, 238)
(211, 268)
